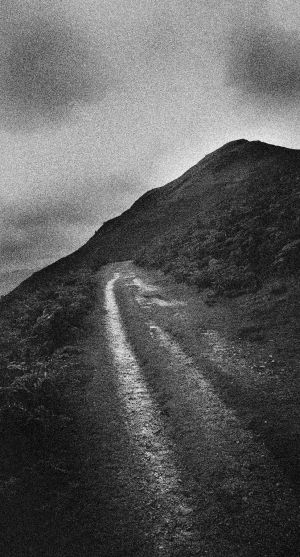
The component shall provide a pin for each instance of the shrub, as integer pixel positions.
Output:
(203, 279)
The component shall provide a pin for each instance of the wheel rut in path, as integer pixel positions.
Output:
(146, 428)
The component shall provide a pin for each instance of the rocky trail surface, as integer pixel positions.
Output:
(172, 464)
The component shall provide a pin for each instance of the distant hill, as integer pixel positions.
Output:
(228, 222)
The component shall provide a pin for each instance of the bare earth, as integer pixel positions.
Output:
(177, 457)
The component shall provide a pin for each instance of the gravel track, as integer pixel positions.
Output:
(170, 466)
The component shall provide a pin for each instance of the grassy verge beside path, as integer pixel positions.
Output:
(44, 373)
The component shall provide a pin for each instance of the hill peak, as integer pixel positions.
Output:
(244, 145)
(243, 153)
(234, 143)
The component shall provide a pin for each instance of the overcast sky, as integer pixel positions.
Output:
(101, 100)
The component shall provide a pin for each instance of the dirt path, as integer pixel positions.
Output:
(170, 468)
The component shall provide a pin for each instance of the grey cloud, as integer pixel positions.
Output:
(264, 61)
(55, 226)
(35, 248)
(11, 247)
(47, 67)
(163, 36)
(28, 248)
(48, 213)
(43, 230)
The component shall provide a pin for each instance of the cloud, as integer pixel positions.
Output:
(47, 67)
(83, 207)
(163, 36)
(27, 243)
(47, 214)
(264, 61)
(51, 227)
(13, 248)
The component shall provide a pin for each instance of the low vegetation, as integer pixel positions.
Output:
(42, 382)
(250, 237)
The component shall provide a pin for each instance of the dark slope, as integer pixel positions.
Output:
(239, 176)
(222, 177)
(247, 226)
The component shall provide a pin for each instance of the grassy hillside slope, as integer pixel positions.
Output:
(235, 183)
(243, 242)
(246, 234)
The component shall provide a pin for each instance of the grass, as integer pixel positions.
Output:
(42, 383)
(248, 238)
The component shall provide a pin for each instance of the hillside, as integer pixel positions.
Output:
(247, 228)
(237, 181)
(239, 201)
